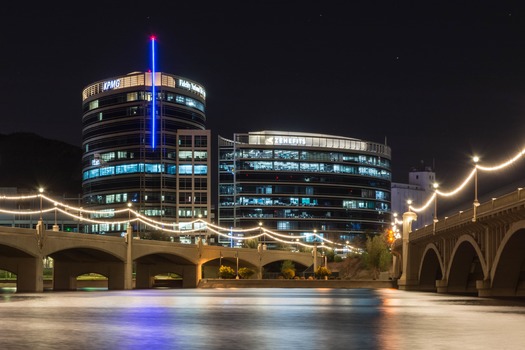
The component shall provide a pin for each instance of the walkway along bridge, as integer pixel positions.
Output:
(22, 252)
(478, 251)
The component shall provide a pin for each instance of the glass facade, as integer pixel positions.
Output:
(302, 183)
(148, 152)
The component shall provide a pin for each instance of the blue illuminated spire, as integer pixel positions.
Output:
(153, 94)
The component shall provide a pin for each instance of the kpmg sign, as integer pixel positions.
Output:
(111, 84)
(192, 87)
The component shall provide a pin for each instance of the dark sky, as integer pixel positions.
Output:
(438, 80)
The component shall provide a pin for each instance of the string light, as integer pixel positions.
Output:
(279, 237)
(469, 177)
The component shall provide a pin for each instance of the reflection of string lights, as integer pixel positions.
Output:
(469, 177)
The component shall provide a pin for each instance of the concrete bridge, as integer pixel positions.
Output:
(22, 252)
(480, 251)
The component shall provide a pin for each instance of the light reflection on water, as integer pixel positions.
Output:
(258, 319)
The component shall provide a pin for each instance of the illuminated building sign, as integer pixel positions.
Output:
(289, 140)
(192, 87)
(110, 85)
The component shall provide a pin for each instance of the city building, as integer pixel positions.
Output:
(420, 188)
(304, 183)
(145, 147)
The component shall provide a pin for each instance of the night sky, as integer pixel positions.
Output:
(438, 81)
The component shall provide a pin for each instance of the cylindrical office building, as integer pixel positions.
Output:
(145, 146)
(301, 183)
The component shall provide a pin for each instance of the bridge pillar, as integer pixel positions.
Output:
(408, 278)
(190, 277)
(198, 273)
(484, 288)
(30, 273)
(442, 286)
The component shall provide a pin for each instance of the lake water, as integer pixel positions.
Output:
(258, 319)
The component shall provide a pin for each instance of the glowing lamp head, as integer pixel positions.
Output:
(475, 159)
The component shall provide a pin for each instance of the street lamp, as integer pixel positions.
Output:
(129, 211)
(475, 159)
(409, 203)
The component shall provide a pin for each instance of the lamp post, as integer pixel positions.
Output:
(129, 217)
(475, 159)
(200, 229)
(237, 268)
(259, 252)
(264, 237)
(409, 203)
(55, 226)
(314, 251)
(41, 190)
(435, 185)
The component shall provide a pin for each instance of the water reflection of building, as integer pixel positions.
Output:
(145, 145)
(298, 183)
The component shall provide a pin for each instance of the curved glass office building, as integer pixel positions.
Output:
(301, 183)
(145, 146)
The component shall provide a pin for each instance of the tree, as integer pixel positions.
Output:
(226, 272)
(245, 272)
(322, 272)
(288, 269)
(377, 257)
(251, 243)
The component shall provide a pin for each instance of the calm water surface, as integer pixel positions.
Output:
(258, 319)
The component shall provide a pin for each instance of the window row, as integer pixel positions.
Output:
(305, 155)
(144, 96)
(305, 202)
(313, 167)
(170, 169)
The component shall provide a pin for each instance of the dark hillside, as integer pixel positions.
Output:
(28, 161)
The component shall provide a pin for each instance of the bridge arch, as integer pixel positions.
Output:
(23, 263)
(466, 266)
(431, 268)
(71, 262)
(508, 272)
(153, 263)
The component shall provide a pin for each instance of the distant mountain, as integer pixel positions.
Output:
(28, 161)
